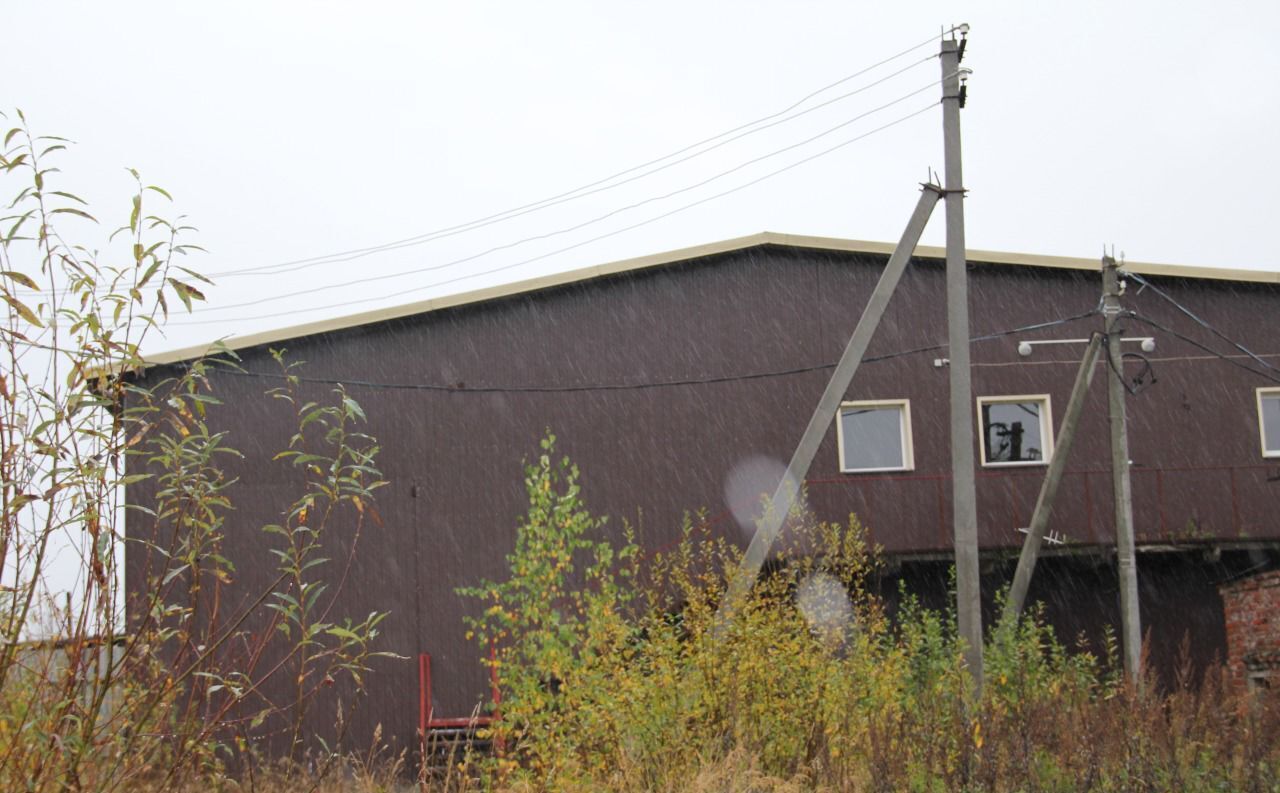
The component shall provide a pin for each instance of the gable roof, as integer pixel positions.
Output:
(685, 254)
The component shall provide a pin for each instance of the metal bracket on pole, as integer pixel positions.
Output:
(784, 498)
(1049, 488)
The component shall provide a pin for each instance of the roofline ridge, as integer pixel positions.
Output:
(673, 256)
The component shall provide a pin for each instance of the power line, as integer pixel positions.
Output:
(578, 192)
(576, 226)
(625, 171)
(555, 201)
(1198, 320)
(642, 385)
(615, 232)
(1206, 348)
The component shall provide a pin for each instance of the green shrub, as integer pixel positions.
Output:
(96, 707)
(615, 675)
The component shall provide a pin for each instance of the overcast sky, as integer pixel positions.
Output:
(293, 130)
(289, 130)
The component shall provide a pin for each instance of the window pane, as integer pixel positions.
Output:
(872, 437)
(1271, 421)
(1012, 432)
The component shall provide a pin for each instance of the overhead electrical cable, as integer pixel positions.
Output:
(647, 384)
(626, 171)
(1199, 345)
(576, 226)
(565, 249)
(770, 120)
(1147, 284)
(563, 199)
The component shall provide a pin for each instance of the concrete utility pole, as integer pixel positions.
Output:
(1049, 488)
(1126, 554)
(823, 416)
(964, 500)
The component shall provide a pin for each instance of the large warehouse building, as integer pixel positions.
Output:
(682, 381)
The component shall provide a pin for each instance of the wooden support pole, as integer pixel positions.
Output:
(964, 500)
(1049, 488)
(824, 415)
(1126, 552)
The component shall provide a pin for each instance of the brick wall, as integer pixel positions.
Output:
(1252, 610)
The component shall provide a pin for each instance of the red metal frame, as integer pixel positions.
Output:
(424, 693)
(426, 711)
(1092, 529)
(1164, 523)
(1231, 472)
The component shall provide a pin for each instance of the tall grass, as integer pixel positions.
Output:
(616, 677)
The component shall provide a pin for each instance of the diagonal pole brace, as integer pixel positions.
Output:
(784, 498)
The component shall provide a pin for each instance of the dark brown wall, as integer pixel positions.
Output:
(1185, 626)
(462, 419)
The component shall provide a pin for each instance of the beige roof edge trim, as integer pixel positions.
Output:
(682, 254)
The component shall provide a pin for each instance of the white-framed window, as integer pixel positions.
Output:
(875, 435)
(1269, 421)
(1015, 430)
